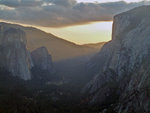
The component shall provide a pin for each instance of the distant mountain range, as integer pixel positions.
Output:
(59, 49)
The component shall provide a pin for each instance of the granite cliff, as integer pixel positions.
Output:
(123, 64)
(14, 55)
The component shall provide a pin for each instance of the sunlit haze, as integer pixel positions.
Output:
(81, 34)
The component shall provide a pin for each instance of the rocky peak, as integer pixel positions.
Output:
(42, 59)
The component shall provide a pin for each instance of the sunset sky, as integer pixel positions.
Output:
(89, 33)
(81, 21)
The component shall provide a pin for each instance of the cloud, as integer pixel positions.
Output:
(21, 3)
(61, 13)
(64, 2)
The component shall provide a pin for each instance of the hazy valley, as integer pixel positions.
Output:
(41, 73)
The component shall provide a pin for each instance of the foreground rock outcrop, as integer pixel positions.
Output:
(13, 53)
(124, 65)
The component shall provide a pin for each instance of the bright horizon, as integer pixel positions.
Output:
(83, 34)
(80, 34)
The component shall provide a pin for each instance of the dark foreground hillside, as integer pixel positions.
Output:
(19, 96)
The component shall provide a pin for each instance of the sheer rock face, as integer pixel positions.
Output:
(15, 57)
(42, 59)
(13, 54)
(123, 67)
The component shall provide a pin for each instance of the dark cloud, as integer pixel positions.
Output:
(21, 3)
(60, 13)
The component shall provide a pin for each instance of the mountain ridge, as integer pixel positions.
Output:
(60, 49)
